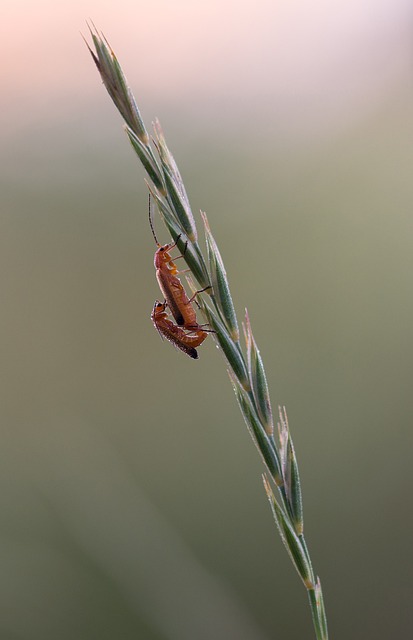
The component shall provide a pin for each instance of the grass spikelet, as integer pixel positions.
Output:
(258, 379)
(220, 283)
(290, 473)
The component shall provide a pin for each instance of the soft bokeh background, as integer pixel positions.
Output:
(131, 500)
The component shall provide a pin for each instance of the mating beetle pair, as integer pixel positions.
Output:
(186, 334)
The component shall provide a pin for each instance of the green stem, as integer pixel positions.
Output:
(317, 611)
(320, 635)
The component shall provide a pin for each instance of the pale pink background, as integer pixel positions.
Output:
(312, 64)
(128, 481)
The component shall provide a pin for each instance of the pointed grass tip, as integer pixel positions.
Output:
(115, 83)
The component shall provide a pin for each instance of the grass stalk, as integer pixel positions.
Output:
(245, 364)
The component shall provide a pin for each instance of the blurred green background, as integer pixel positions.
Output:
(131, 501)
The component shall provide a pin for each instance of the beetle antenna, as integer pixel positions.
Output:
(150, 220)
